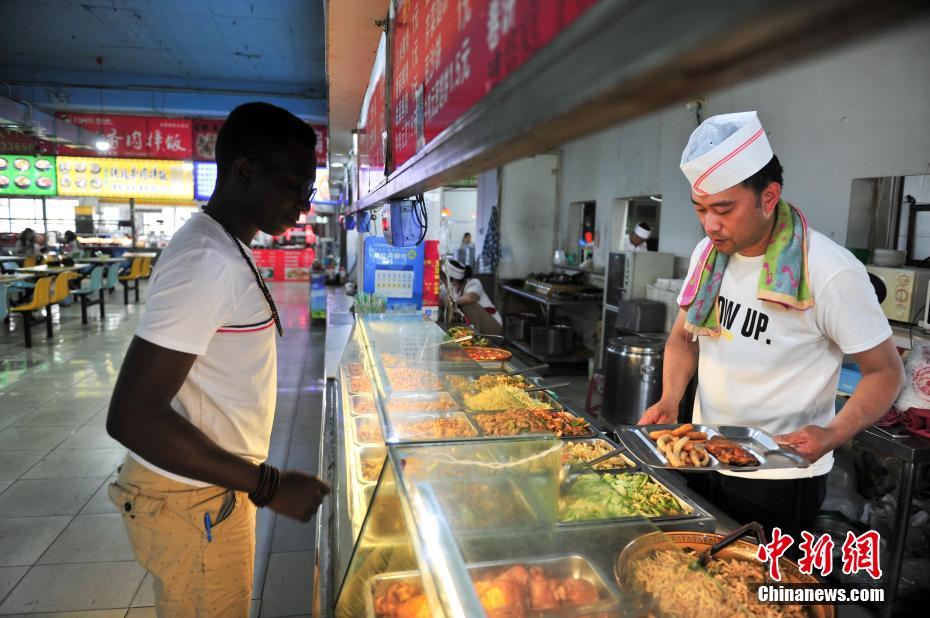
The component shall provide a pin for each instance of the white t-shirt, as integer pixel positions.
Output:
(203, 300)
(626, 245)
(777, 368)
(473, 285)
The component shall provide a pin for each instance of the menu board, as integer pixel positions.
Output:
(204, 179)
(27, 175)
(137, 136)
(138, 178)
(448, 55)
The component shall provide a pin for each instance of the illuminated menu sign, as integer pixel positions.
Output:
(138, 178)
(204, 179)
(26, 175)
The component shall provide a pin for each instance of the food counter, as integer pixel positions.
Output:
(447, 484)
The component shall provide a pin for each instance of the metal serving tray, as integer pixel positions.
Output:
(562, 567)
(540, 396)
(358, 421)
(365, 404)
(363, 453)
(401, 427)
(362, 405)
(460, 383)
(476, 417)
(760, 443)
(691, 510)
(354, 389)
(618, 451)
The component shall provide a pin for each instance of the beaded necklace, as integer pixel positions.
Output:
(258, 276)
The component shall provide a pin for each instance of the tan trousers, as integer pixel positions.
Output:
(164, 519)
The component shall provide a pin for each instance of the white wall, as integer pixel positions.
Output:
(527, 211)
(859, 112)
(463, 204)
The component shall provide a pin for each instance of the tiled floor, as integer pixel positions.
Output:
(63, 551)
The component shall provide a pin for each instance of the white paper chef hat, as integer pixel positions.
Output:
(642, 231)
(724, 151)
(454, 269)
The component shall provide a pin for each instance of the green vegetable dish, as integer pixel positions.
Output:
(611, 496)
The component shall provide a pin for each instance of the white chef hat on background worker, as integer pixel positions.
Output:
(454, 269)
(724, 151)
(642, 231)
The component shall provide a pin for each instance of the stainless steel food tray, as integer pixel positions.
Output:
(400, 431)
(367, 452)
(691, 509)
(562, 567)
(469, 382)
(617, 451)
(540, 396)
(476, 416)
(357, 422)
(435, 396)
(760, 443)
(362, 405)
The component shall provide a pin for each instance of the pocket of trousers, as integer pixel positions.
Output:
(220, 506)
(140, 512)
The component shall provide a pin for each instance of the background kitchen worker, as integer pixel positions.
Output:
(467, 293)
(769, 309)
(195, 399)
(636, 240)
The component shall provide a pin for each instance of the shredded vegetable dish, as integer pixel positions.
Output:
(610, 496)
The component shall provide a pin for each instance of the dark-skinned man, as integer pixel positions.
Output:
(769, 309)
(195, 398)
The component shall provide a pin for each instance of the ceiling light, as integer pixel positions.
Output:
(336, 165)
(102, 145)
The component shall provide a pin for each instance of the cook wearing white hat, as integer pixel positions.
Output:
(467, 293)
(769, 309)
(636, 241)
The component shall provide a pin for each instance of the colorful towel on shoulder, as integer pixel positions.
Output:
(784, 278)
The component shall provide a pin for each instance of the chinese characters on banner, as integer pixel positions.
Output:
(448, 54)
(859, 553)
(98, 177)
(371, 142)
(136, 136)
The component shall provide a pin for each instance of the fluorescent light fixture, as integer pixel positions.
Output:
(102, 145)
(336, 165)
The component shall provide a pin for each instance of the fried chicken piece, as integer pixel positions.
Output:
(572, 591)
(396, 595)
(501, 598)
(542, 590)
(415, 607)
(730, 452)
(516, 574)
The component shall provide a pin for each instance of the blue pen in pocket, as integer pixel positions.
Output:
(208, 527)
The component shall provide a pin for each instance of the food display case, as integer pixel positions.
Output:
(448, 505)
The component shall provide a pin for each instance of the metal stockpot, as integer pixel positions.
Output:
(632, 377)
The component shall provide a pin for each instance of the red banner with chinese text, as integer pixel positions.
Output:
(135, 136)
(448, 54)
